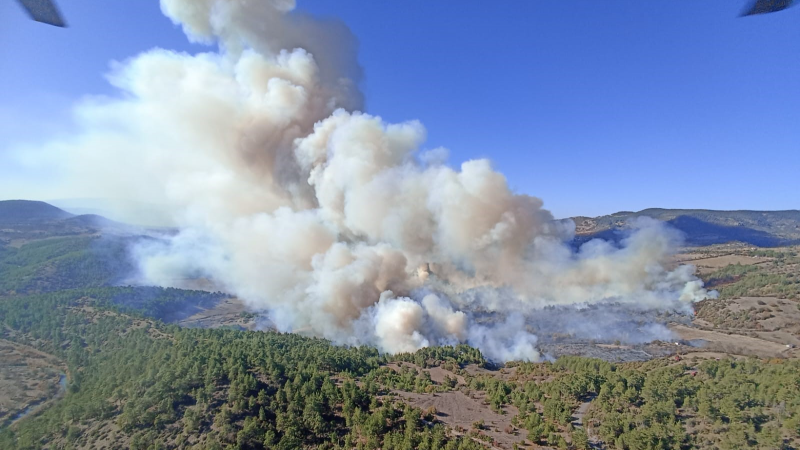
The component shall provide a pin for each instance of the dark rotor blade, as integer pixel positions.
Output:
(44, 11)
(767, 6)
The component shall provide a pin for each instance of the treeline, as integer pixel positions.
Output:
(756, 284)
(780, 254)
(447, 356)
(729, 273)
(738, 280)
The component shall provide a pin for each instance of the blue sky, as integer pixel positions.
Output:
(593, 106)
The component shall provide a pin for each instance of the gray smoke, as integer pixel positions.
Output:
(331, 220)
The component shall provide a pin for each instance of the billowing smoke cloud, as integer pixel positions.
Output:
(331, 220)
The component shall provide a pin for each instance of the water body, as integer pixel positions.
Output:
(33, 407)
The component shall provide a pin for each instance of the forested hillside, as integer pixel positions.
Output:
(149, 385)
(63, 263)
(26, 211)
(138, 383)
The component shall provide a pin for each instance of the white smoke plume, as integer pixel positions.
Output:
(329, 219)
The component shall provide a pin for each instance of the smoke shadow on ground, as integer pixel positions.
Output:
(167, 304)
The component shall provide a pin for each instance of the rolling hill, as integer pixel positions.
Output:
(27, 211)
(25, 220)
(702, 226)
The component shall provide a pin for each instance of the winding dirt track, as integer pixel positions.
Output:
(731, 343)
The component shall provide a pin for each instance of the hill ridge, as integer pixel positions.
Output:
(30, 210)
(704, 226)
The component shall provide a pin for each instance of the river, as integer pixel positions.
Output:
(33, 407)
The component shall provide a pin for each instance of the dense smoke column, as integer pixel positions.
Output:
(328, 219)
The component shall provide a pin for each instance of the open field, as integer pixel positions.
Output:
(706, 264)
(735, 344)
(758, 312)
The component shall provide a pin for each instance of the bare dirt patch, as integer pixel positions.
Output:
(438, 375)
(461, 411)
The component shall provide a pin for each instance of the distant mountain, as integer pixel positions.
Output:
(22, 211)
(150, 215)
(25, 220)
(702, 226)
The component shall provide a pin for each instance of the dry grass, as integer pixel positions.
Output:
(710, 264)
(735, 344)
(27, 377)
